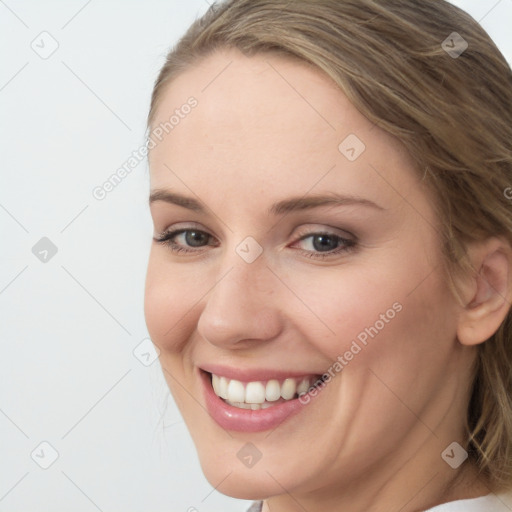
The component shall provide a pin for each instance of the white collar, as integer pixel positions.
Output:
(490, 503)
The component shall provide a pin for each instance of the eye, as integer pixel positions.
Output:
(181, 240)
(318, 245)
(325, 244)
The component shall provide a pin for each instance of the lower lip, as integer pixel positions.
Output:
(247, 420)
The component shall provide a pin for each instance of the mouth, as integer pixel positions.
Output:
(257, 395)
(255, 405)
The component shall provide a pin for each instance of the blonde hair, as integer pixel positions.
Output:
(452, 113)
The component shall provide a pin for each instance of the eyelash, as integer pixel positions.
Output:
(166, 239)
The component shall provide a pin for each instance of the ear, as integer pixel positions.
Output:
(487, 293)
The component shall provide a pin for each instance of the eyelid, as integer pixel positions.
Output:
(312, 229)
(183, 226)
(349, 244)
(298, 233)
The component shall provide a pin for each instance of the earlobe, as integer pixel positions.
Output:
(488, 293)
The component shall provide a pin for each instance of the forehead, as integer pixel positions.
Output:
(267, 123)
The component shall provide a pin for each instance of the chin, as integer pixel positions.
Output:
(242, 483)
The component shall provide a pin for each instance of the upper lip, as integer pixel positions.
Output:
(252, 374)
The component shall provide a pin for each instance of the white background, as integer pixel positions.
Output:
(68, 327)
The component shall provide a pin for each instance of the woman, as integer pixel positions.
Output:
(329, 283)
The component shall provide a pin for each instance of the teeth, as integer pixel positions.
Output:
(241, 405)
(223, 387)
(303, 386)
(236, 391)
(259, 395)
(254, 393)
(215, 384)
(254, 407)
(288, 389)
(272, 391)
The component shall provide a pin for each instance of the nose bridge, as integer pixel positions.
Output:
(251, 274)
(241, 304)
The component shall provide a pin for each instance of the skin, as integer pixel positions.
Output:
(372, 440)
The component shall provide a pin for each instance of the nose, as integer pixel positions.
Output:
(242, 307)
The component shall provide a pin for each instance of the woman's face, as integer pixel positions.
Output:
(309, 247)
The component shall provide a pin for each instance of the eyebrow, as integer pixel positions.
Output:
(292, 204)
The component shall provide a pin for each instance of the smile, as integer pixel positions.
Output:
(256, 395)
(259, 404)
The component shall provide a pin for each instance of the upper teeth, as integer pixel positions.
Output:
(257, 392)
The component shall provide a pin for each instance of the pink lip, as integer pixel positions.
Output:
(247, 420)
(248, 375)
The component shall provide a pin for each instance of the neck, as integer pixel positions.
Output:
(404, 493)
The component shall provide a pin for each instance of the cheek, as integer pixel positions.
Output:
(170, 294)
(348, 307)
(372, 315)
(169, 299)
